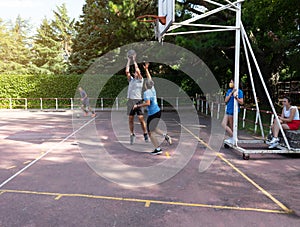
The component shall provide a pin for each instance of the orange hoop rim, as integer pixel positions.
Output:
(161, 19)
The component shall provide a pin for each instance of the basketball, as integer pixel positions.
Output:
(78, 115)
(131, 53)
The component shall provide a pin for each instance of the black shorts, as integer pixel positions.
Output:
(152, 121)
(131, 111)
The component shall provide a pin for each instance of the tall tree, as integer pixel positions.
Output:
(63, 27)
(275, 31)
(106, 25)
(48, 54)
(15, 48)
(53, 42)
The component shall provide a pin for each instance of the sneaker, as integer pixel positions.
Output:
(168, 139)
(93, 115)
(146, 138)
(132, 139)
(273, 145)
(229, 140)
(156, 151)
(274, 140)
(85, 114)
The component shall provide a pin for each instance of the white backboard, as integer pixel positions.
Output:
(165, 8)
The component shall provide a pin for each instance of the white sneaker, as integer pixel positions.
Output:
(273, 145)
(229, 140)
(274, 140)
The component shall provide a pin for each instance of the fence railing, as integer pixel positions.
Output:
(99, 103)
(213, 109)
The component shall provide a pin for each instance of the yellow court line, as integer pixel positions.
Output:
(266, 193)
(11, 167)
(146, 202)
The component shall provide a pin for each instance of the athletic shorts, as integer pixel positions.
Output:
(230, 114)
(152, 121)
(131, 111)
(294, 124)
(86, 102)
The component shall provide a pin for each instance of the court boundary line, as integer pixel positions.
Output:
(147, 202)
(284, 209)
(44, 154)
(256, 185)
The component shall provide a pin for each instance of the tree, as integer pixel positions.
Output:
(275, 30)
(52, 46)
(63, 28)
(48, 54)
(15, 48)
(106, 25)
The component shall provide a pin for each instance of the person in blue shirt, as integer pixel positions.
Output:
(154, 112)
(231, 94)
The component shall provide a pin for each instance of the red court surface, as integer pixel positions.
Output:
(46, 180)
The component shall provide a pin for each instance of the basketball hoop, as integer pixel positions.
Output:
(156, 21)
(154, 18)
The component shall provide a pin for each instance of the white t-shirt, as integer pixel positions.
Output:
(135, 88)
(287, 113)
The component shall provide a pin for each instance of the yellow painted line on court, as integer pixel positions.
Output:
(146, 202)
(58, 197)
(266, 193)
(167, 154)
(11, 167)
(26, 162)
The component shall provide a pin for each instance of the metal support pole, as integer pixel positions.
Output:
(271, 123)
(237, 69)
(56, 103)
(177, 103)
(102, 106)
(162, 103)
(10, 103)
(244, 118)
(117, 103)
(72, 104)
(253, 86)
(265, 87)
(26, 104)
(41, 103)
(218, 113)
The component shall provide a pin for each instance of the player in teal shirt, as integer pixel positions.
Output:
(154, 113)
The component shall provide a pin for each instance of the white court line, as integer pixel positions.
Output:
(44, 154)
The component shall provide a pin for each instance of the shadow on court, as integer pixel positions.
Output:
(66, 186)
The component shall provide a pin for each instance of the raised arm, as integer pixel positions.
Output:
(136, 67)
(146, 67)
(127, 69)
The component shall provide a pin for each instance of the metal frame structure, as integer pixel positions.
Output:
(240, 34)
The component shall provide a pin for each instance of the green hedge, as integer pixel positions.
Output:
(47, 86)
(34, 87)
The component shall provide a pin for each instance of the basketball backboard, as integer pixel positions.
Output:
(166, 8)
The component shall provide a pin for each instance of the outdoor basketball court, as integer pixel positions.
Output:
(47, 182)
(57, 170)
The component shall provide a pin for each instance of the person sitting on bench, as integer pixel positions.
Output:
(289, 120)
